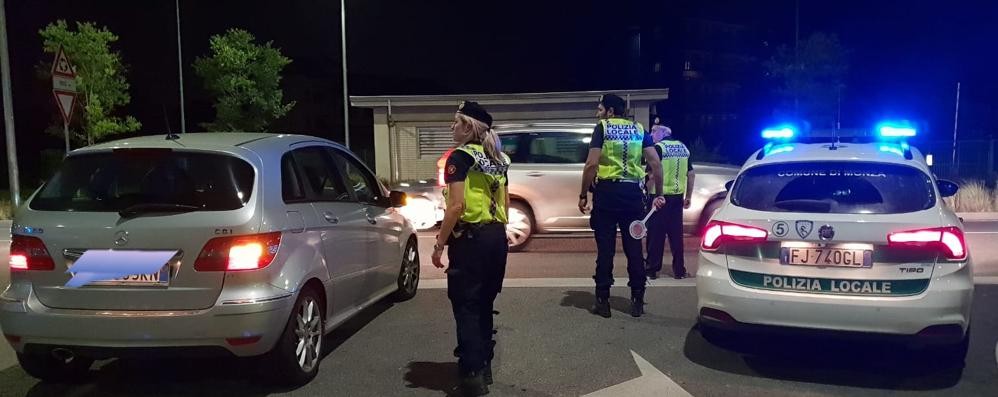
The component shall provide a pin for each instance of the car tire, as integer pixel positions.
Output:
(520, 227)
(708, 212)
(408, 279)
(51, 369)
(284, 364)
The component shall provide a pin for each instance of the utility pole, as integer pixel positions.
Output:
(8, 111)
(797, 67)
(956, 122)
(180, 70)
(346, 97)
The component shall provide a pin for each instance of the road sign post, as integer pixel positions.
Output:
(64, 90)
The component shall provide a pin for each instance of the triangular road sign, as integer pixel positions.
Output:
(61, 65)
(66, 102)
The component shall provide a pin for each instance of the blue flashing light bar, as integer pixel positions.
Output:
(896, 130)
(781, 132)
(892, 149)
(779, 149)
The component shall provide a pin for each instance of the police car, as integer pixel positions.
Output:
(843, 234)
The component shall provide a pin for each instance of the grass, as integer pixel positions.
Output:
(6, 209)
(974, 196)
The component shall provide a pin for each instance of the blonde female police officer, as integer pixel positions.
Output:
(474, 229)
(614, 165)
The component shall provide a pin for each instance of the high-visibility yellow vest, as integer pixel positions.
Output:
(484, 196)
(622, 150)
(675, 166)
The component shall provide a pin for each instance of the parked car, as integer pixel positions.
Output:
(278, 239)
(546, 174)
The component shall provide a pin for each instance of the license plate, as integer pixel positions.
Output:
(153, 279)
(826, 256)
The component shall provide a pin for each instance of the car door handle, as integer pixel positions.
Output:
(535, 174)
(330, 218)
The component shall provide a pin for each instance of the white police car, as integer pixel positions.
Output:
(845, 235)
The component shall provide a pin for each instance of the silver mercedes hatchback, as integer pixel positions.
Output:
(270, 241)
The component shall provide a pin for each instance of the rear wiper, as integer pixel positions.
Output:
(137, 209)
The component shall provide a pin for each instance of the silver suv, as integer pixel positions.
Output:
(546, 173)
(275, 240)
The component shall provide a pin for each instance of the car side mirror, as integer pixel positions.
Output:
(727, 185)
(947, 188)
(396, 198)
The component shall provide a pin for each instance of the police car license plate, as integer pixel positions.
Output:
(826, 256)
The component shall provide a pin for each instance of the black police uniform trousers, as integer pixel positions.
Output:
(474, 278)
(666, 222)
(615, 206)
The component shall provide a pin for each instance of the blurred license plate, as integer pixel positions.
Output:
(153, 279)
(826, 256)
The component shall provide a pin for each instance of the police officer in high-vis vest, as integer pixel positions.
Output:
(677, 176)
(474, 229)
(615, 175)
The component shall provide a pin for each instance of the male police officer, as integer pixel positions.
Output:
(614, 164)
(677, 175)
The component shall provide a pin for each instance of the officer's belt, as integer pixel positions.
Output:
(619, 180)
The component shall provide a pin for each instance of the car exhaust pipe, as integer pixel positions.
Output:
(63, 355)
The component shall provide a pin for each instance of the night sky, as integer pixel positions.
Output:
(906, 56)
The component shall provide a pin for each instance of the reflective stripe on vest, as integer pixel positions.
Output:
(675, 166)
(484, 199)
(622, 150)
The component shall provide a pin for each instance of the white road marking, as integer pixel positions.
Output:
(652, 382)
(561, 283)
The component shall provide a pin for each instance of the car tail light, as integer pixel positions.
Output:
(717, 233)
(29, 253)
(236, 253)
(949, 240)
(441, 164)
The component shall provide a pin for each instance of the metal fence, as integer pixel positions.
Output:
(976, 159)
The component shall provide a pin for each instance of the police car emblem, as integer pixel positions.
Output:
(826, 232)
(804, 228)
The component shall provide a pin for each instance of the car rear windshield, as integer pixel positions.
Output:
(113, 181)
(834, 187)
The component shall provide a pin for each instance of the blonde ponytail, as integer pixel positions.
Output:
(487, 136)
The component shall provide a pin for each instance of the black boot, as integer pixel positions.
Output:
(637, 303)
(602, 307)
(487, 373)
(473, 384)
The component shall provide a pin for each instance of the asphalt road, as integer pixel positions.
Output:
(551, 346)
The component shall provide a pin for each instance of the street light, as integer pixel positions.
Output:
(180, 70)
(8, 111)
(346, 98)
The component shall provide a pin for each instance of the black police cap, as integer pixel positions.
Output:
(474, 110)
